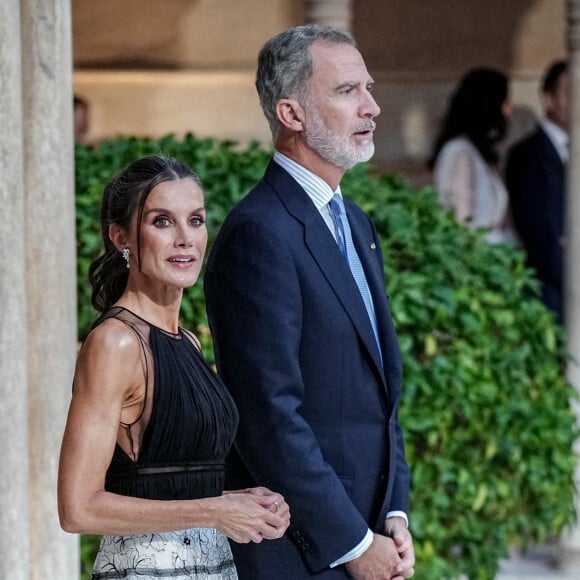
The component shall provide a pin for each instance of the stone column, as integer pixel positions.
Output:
(14, 522)
(50, 269)
(337, 13)
(571, 541)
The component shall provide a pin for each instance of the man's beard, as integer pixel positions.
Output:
(335, 148)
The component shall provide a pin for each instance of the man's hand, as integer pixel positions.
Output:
(396, 528)
(379, 562)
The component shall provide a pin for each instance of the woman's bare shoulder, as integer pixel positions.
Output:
(112, 339)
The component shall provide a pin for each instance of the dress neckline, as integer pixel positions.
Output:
(175, 335)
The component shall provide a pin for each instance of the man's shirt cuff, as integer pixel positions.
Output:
(357, 551)
(398, 514)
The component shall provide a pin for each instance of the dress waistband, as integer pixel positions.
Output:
(176, 469)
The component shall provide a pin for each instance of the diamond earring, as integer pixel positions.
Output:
(125, 253)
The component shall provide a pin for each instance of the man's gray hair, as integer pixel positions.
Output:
(285, 66)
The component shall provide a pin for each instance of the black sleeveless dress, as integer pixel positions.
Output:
(178, 446)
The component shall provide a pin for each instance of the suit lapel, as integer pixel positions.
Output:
(326, 253)
(550, 151)
(556, 170)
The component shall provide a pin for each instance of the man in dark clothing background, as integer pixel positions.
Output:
(536, 180)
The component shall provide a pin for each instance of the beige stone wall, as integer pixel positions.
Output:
(152, 68)
(419, 50)
(155, 103)
(177, 34)
(436, 39)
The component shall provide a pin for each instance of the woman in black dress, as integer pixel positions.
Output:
(150, 424)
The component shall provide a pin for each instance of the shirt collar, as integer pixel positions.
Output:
(557, 136)
(315, 187)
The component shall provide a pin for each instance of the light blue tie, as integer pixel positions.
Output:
(346, 245)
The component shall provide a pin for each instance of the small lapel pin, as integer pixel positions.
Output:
(373, 247)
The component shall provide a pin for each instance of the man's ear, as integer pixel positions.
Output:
(291, 114)
(118, 236)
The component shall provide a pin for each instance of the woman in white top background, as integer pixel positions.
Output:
(465, 156)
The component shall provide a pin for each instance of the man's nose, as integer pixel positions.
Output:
(371, 108)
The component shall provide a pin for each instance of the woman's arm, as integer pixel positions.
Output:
(108, 378)
(455, 182)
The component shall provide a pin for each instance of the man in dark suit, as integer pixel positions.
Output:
(316, 377)
(536, 180)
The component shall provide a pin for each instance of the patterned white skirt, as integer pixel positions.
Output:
(200, 553)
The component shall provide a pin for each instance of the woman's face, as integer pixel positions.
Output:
(506, 109)
(173, 235)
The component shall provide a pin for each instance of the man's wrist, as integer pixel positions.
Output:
(398, 514)
(357, 551)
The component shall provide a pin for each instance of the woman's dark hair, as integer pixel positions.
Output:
(124, 197)
(475, 112)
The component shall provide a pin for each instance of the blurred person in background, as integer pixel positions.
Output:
(536, 180)
(465, 157)
(81, 119)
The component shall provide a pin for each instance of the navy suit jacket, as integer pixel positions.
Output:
(295, 347)
(535, 177)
